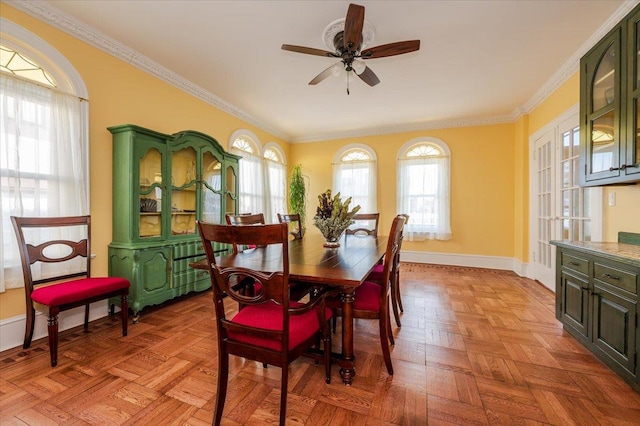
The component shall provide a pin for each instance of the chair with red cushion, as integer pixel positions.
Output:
(377, 274)
(72, 288)
(271, 328)
(371, 299)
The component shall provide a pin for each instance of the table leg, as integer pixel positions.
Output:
(347, 361)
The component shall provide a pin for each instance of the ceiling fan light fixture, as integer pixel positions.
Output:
(358, 66)
(336, 69)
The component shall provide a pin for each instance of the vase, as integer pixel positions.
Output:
(332, 241)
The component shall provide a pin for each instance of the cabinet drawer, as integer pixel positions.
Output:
(575, 263)
(625, 280)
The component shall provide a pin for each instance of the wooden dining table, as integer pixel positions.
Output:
(343, 268)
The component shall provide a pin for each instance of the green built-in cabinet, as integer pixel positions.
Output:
(163, 184)
(609, 106)
(597, 299)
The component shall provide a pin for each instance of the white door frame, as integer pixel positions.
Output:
(596, 222)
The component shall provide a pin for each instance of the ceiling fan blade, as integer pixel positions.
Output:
(353, 27)
(369, 77)
(324, 74)
(391, 49)
(308, 50)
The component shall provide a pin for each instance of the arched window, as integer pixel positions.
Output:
(423, 189)
(252, 192)
(44, 161)
(354, 175)
(276, 181)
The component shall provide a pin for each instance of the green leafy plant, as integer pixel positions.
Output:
(298, 194)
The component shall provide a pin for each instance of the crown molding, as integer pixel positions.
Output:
(53, 16)
(50, 14)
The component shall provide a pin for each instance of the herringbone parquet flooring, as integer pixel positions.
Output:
(475, 347)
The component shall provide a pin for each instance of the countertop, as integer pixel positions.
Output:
(619, 252)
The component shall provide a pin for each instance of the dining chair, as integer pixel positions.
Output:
(377, 275)
(271, 329)
(73, 286)
(366, 224)
(296, 230)
(371, 299)
(245, 219)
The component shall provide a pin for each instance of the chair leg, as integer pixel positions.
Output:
(28, 330)
(223, 377)
(283, 394)
(124, 313)
(327, 357)
(86, 318)
(394, 301)
(384, 338)
(52, 329)
(398, 297)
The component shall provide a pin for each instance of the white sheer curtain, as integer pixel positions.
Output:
(252, 195)
(357, 179)
(276, 181)
(43, 163)
(423, 194)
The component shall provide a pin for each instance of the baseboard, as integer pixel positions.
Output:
(12, 329)
(469, 260)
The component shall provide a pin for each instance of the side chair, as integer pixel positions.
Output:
(271, 329)
(296, 230)
(371, 299)
(73, 285)
(366, 224)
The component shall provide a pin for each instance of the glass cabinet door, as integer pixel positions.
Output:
(150, 193)
(211, 188)
(231, 195)
(603, 132)
(183, 191)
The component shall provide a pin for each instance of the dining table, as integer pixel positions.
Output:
(342, 268)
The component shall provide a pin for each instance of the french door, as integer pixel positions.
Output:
(561, 210)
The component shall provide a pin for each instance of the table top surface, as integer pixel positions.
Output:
(309, 261)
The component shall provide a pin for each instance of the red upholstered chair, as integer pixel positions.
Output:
(67, 290)
(296, 231)
(366, 224)
(371, 299)
(377, 274)
(270, 329)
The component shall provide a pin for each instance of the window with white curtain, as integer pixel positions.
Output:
(263, 175)
(276, 180)
(43, 147)
(354, 175)
(424, 189)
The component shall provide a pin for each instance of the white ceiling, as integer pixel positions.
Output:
(479, 62)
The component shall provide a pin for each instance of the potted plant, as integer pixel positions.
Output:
(298, 195)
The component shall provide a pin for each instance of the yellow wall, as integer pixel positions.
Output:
(482, 184)
(120, 93)
(489, 166)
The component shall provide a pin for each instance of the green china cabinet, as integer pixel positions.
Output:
(609, 101)
(163, 184)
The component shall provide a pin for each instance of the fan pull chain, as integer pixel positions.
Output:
(348, 83)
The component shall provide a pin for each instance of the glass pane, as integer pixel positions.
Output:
(575, 230)
(602, 143)
(231, 190)
(183, 192)
(575, 202)
(565, 229)
(576, 171)
(566, 203)
(576, 142)
(150, 192)
(586, 229)
(566, 145)
(604, 81)
(565, 175)
(212, 185)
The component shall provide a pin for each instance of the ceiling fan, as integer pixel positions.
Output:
(348, 48)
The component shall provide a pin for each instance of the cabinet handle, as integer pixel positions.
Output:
(612, 277)
(622, 167)
(574, 263)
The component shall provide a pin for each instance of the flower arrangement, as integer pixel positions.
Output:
(333, 217)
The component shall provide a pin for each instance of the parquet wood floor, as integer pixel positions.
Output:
(476, 346)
